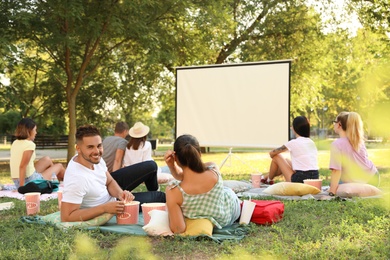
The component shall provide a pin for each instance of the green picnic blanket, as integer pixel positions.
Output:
(107, 223)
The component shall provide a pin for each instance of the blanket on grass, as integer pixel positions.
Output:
(234, 232)
(258, 193)
(16, 195)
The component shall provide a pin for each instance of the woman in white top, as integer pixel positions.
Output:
(303, 152)
(138, 149)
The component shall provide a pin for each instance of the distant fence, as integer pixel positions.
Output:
(55, 142)
(49, 141)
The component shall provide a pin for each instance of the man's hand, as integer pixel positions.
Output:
(126, 196)
(114, 207)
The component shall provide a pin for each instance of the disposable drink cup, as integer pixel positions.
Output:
(314, 182)
(147, 207)
(33, 202)
(256, 177)
(59, 197)
(246, 212)
(129, 214)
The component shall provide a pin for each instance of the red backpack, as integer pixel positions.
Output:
(267, 212)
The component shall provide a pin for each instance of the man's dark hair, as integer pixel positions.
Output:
(121, 126)
(85, 131)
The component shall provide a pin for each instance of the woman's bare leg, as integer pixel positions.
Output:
(46, 167)
(279, 166)
(43, 164)
(274, 170)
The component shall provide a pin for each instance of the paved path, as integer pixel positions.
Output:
(57, 154)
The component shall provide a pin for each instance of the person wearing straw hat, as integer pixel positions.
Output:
(138, 148)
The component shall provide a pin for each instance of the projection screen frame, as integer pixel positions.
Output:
(286, 131)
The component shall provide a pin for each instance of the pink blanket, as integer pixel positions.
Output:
(17, 195)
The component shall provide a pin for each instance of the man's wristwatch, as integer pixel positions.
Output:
(332, 194)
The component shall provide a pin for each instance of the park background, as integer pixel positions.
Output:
(68, 63)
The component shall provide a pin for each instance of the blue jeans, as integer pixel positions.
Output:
(34, 176)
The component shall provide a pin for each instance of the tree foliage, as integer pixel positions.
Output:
(79, 62)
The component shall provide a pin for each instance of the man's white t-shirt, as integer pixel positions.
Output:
(303, 153)
(85, 186)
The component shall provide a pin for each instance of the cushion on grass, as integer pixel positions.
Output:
(237, 186)
(158, 224)
(195, 227)
(291, 189)
(357, 190)
(164, 177)
(55, 218)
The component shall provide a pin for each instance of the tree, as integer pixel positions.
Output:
(79, 36)
(374, 14)
(293, 33)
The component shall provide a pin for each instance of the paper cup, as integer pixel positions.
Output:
(314, 182)
(246, 212)
(129, 215)
(147, 207)
(59, 197)
(33, 202)
(256, 180)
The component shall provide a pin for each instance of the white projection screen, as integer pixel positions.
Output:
(234, 105)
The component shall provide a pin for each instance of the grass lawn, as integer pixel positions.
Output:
(353, 229)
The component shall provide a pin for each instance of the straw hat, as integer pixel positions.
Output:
(139, 130)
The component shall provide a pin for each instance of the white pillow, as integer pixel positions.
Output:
(357, 190)
(237, 186)
(158, 224)
(164, 177)
(291, 189)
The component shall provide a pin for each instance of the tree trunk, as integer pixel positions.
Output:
(72, 127)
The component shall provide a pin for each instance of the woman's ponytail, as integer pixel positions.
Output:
(187, 151)
(354, 130)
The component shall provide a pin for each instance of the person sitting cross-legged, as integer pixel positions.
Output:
(303, 164)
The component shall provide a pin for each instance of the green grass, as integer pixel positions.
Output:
(353, 229)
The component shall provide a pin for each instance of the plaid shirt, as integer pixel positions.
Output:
(220, 204)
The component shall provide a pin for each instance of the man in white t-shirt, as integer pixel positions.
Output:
(89, 189)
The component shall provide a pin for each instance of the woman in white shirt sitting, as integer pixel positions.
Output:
(138, 149)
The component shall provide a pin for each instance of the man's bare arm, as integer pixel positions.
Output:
(71, 212)
(118, 161)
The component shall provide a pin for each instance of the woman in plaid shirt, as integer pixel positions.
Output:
(199, 191)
